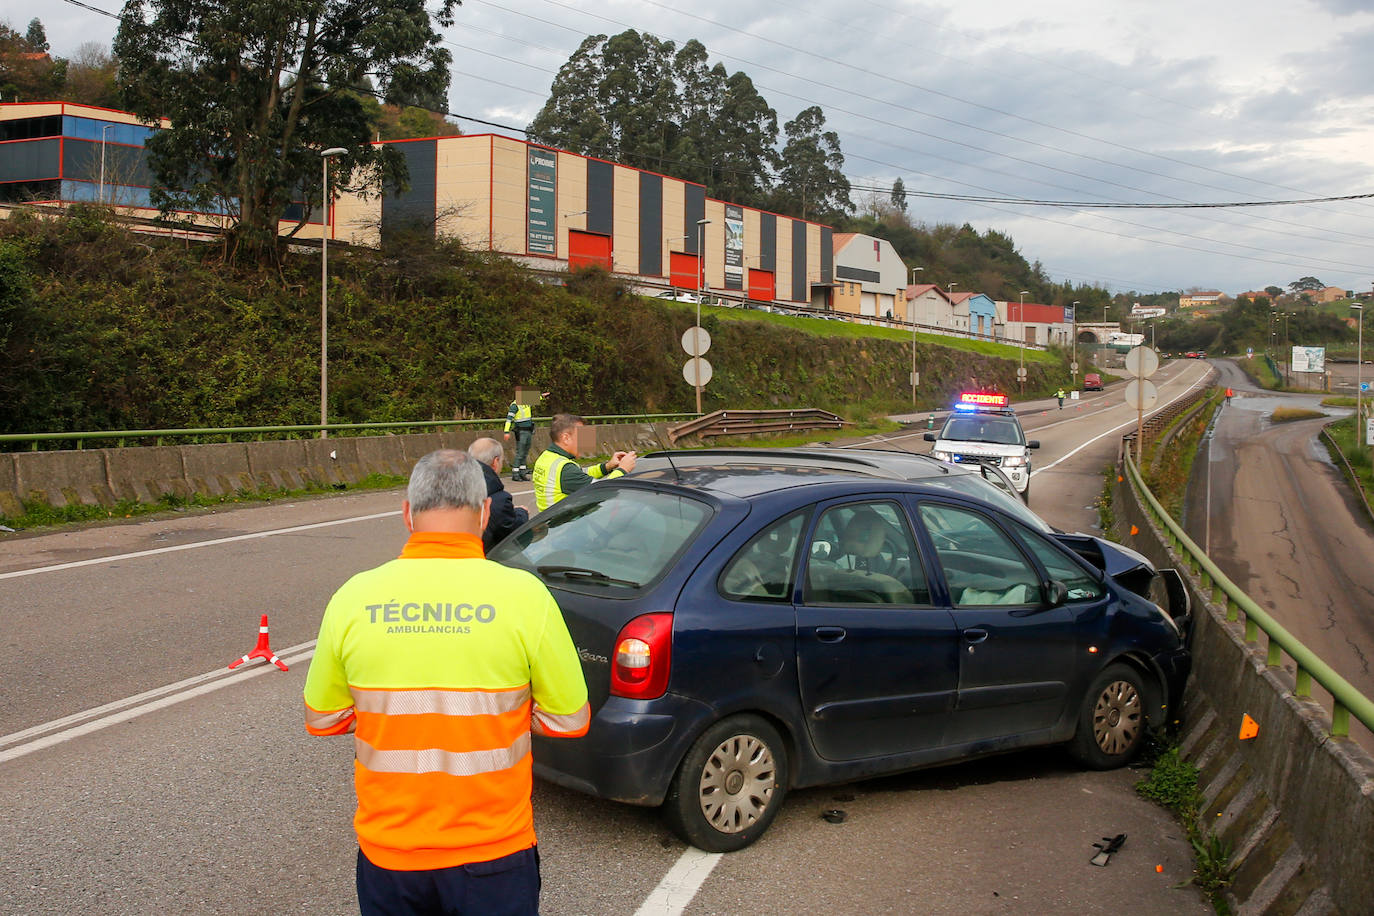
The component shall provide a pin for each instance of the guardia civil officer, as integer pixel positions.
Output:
(520, 419)
(557, 474)
(442, 663)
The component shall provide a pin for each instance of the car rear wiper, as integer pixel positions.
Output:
(584, 575)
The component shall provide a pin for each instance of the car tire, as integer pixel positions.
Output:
(730, 785)
(1112, 721)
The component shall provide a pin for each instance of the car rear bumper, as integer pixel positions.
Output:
(629, 753)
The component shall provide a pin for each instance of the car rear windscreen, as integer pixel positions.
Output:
(615, 538)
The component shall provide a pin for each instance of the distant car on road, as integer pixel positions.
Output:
(1092, 381)
(751, 621)
(673, 295)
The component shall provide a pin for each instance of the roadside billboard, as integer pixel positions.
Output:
(1308, 359)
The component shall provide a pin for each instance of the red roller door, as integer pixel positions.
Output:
(586, 248)
(762, 285)
(683, 269)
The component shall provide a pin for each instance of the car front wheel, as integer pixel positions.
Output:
(1112, 720)
(729, 786)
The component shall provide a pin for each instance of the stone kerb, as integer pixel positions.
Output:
(1321, 787)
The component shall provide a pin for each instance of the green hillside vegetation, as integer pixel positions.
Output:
(103, 329)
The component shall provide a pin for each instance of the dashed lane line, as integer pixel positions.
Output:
(680, 885)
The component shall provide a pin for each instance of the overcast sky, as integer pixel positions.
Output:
(1165, 102)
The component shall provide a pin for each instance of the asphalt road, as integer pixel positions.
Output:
(1277, 517)
(138, 775)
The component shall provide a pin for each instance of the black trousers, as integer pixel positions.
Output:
(508, 886)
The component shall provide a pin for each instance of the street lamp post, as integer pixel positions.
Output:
(701, 283)
(1021, 345)
(102, 160)
(1359, 380)
(325, 156)
(1073, 336)
(951, 304)
(910, 314)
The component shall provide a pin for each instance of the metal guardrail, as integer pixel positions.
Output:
(230, 433)
(746, 422)
(1346, 699)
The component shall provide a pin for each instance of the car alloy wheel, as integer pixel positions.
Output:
(1118, 717)
(729, 786)
(1113, 718)
(736, 783)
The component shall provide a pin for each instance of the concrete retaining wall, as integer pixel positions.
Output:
(1296, 804)
(105, 476)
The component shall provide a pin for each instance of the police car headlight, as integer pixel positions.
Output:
(1015, 461)
(942, 456)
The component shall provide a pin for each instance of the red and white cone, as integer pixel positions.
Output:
(262, 650)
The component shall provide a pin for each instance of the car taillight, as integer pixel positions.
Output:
(643, 652)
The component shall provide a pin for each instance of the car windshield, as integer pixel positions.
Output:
(984, 428)
(986, 490)
(619, 538)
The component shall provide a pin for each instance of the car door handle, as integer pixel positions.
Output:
(975, 635)
(830, 634)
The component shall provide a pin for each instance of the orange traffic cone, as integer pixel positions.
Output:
(261, 650)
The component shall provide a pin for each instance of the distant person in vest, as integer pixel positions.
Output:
(442, 663)
(1059, 396)
(520, 420)
(505, 516)
(556, 473)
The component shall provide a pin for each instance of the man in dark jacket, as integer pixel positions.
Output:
(505, 516)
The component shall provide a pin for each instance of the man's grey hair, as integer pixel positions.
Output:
(446, 479)
(486, 450)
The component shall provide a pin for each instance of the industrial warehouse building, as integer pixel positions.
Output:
(548, 208)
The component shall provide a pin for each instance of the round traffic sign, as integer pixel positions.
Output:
(696, 371)
(1142, 362)
(1073, 366)
(1141, 394)
(696, 341)
(1020, 373)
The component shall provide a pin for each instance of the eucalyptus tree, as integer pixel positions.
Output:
(254, 91)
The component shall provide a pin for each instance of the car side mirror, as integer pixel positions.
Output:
(1032, 443)
(1056, 592)
(931, 437)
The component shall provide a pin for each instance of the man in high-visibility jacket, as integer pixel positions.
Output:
(520, 420)
(557, 474)
(442, 663)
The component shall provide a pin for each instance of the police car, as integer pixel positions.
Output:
(983, 430)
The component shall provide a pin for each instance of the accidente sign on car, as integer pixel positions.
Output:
(982, 429)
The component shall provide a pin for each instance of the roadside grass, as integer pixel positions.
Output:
(1339, 400)
(1172, 783)
(39, 514)
(1169, 479)
(1357, 455)
(1289, 414)
(821, 327)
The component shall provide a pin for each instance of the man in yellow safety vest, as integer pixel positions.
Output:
(557, 474)
(442, 663)
(520, 420)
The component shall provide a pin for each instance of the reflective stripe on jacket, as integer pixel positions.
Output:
(442, 663)
(521, 415)
(557, 475)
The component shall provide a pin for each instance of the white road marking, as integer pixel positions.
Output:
(1069, 455)
(93, 720)
(211, 543)
(680, 885)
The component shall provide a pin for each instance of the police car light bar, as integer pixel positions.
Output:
(972, 400)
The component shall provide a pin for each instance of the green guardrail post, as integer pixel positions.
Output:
(1340, 720)
(1274, 657)
(1251, 629)
(1303, 687)
(1232, 610)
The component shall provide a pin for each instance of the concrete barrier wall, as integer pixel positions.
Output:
(105, 476)
(1296, 804)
